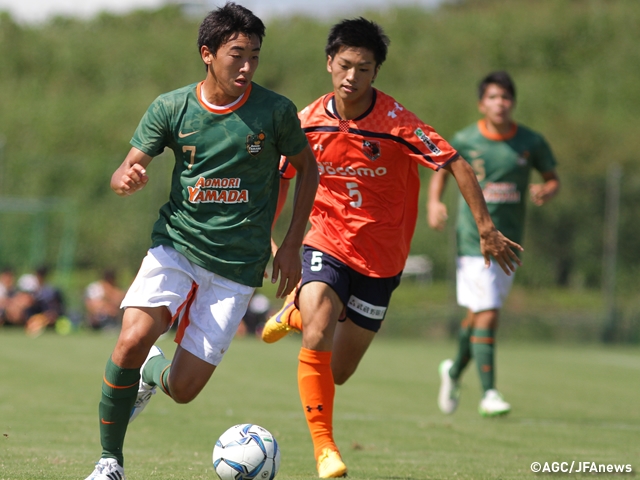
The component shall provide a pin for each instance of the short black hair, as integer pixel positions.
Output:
(500, 78)
(359, 33)
(221, 24)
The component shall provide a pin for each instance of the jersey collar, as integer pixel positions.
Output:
(232, 107)
(497, 137)
(329, 103)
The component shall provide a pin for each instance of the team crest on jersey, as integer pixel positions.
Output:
(427, 141)
(255, 143)
(371, 149)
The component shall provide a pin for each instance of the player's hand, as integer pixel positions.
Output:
(437, 215)
(288, 266)
(131, 180)
(539, 193)
(274, 250)
(495, 244)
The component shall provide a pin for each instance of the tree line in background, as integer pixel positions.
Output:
(72, 93)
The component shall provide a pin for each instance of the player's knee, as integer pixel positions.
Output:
(341, 375)
(130, 352)
(183, 392)
(340, 380)
(181, 396)
(317, 339)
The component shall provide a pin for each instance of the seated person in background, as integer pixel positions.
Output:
(48, 301)
(102, 300)
(8, 290)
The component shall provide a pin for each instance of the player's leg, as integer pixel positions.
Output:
(182, 378)
(463, 355)
(350, 343)
(482, 342)
(367, 304)
(468, 290)
(487, 289)
(165, 289)
(320, 307)
(141, 327)
(483, 347)
(209, 320)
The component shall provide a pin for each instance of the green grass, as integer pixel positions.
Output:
(576, 402)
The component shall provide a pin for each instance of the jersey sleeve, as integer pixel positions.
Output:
(287, 171)
(151, 136)
(291, 140)
(544, 160)
(424, 145)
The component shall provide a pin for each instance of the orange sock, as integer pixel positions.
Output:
(295, 319)
(317, 390)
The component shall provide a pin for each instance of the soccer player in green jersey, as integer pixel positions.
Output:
(211, 242)
(502, 153)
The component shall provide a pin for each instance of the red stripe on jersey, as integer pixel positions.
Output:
(366, 206)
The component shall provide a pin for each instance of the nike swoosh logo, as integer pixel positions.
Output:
(183, 135)
(104, 422)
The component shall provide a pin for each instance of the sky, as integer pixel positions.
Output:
(37, 11)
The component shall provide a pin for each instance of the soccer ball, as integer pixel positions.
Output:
(246, 452)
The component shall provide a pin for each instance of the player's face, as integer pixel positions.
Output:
(353, 70)
(233, 66)
(496, 105)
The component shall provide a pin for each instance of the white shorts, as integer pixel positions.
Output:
(480, 288)
(209, 307)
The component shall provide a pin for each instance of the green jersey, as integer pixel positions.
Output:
(225, 181)
(503, 166)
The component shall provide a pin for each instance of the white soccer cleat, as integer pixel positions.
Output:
(107, 469)
(449, 389)
(145, 391)
(492, 404)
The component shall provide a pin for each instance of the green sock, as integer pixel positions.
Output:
(119, 393)
(156, 372)
(482, 349)
(464, 353)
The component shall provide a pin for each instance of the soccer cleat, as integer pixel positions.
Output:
(492, 404)
(278, 327)
(449, 393)
(330, 465)
(107, 469)
(145, 391)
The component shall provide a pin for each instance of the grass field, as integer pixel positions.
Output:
(575, 402)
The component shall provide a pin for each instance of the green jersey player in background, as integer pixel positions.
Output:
(211, 242)
(502, 153)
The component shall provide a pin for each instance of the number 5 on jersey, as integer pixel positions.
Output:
(355, 194)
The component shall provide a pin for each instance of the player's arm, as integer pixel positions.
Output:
(492, 242)
(131, 176)
(287, 261)
(436, 210)
(282, 199)
(541, 193)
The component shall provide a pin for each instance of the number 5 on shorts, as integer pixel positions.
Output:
(316, 261)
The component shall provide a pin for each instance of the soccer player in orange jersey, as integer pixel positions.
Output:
(368, 148)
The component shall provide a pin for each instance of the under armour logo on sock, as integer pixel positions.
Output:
(310, 408)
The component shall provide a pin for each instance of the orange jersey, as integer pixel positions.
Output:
(366, 206)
